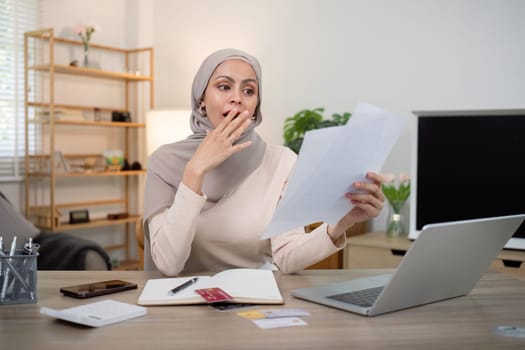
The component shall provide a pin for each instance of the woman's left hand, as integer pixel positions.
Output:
(368, 203)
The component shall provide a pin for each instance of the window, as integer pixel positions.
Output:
(16, 17)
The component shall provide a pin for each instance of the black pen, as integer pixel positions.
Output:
(183, 286)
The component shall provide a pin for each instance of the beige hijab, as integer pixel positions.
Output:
(166, 165)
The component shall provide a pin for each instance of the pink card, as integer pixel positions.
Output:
(213, 295)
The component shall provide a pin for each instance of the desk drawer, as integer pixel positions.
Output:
(371, 257)
(516, 271)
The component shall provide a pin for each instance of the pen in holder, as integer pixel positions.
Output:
(18, 277)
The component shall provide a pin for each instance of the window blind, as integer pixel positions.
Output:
(16, 17)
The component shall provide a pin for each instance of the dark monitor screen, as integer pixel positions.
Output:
(469, 166)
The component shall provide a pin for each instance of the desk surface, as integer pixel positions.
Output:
(464, 322)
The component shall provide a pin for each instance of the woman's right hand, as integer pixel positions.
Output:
(217, 146)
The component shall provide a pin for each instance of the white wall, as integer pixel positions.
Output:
(401, 55)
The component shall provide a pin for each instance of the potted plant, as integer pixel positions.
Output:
(308, 119)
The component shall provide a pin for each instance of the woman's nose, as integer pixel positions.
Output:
(235, 98)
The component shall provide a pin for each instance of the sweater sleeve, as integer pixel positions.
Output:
(295, 250)
(172, 231)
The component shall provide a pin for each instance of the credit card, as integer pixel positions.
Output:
(213, 295)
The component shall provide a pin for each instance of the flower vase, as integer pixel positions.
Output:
(395, 226)
(86, 56)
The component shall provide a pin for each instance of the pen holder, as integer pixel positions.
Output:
(18, 278)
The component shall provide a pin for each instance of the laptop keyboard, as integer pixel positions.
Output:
(363, 298)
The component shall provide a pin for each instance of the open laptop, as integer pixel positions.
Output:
(445, 261)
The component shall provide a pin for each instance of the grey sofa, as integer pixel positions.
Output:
(58, 251)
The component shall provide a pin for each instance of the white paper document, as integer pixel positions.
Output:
(97, 314)
(330, 160)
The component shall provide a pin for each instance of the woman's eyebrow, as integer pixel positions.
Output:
(227, 77)
(230, 79)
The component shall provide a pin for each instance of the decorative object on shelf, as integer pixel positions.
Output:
(125, 166)
(135, 71)
(116, 216)
(94, 115)
(60, 163)
(117, 116)
(85, 32)
(114, 159)
(308, 119)
(89, 164)
(44, 219)
(78, 216)
(136, 166)
(82, 164)
(97, 114)
(396, 190)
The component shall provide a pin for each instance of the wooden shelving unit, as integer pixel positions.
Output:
(42, 113)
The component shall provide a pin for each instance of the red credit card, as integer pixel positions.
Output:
(213, 295)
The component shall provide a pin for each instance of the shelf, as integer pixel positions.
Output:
(115, 247)
(91, 203)
(95, 223)
(127, 265)
(106, 202)
(102, 173)
(90, 72)
(43, 34)
(93, 123)
(100, 123)
(58, 106)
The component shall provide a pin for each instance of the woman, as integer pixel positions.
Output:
(209, 198)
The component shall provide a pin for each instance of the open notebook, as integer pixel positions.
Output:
(243, 285)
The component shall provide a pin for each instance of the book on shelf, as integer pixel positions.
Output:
(252, 286)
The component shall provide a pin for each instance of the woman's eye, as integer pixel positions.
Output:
(223, 87)
(249, 91)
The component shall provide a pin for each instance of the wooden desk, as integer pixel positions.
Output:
(377, 250)
(464, 322)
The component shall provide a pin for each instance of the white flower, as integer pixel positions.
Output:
(388, 178)
(85, 32)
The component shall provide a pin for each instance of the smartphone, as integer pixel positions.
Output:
(95, 289)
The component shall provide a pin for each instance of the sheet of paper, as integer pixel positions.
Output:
(97, 314)
(330, 160)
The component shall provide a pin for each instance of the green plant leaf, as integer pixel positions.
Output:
(298, 124)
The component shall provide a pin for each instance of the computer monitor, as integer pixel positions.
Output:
(468, 165)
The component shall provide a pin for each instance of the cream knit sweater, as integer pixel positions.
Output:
(196, 235)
